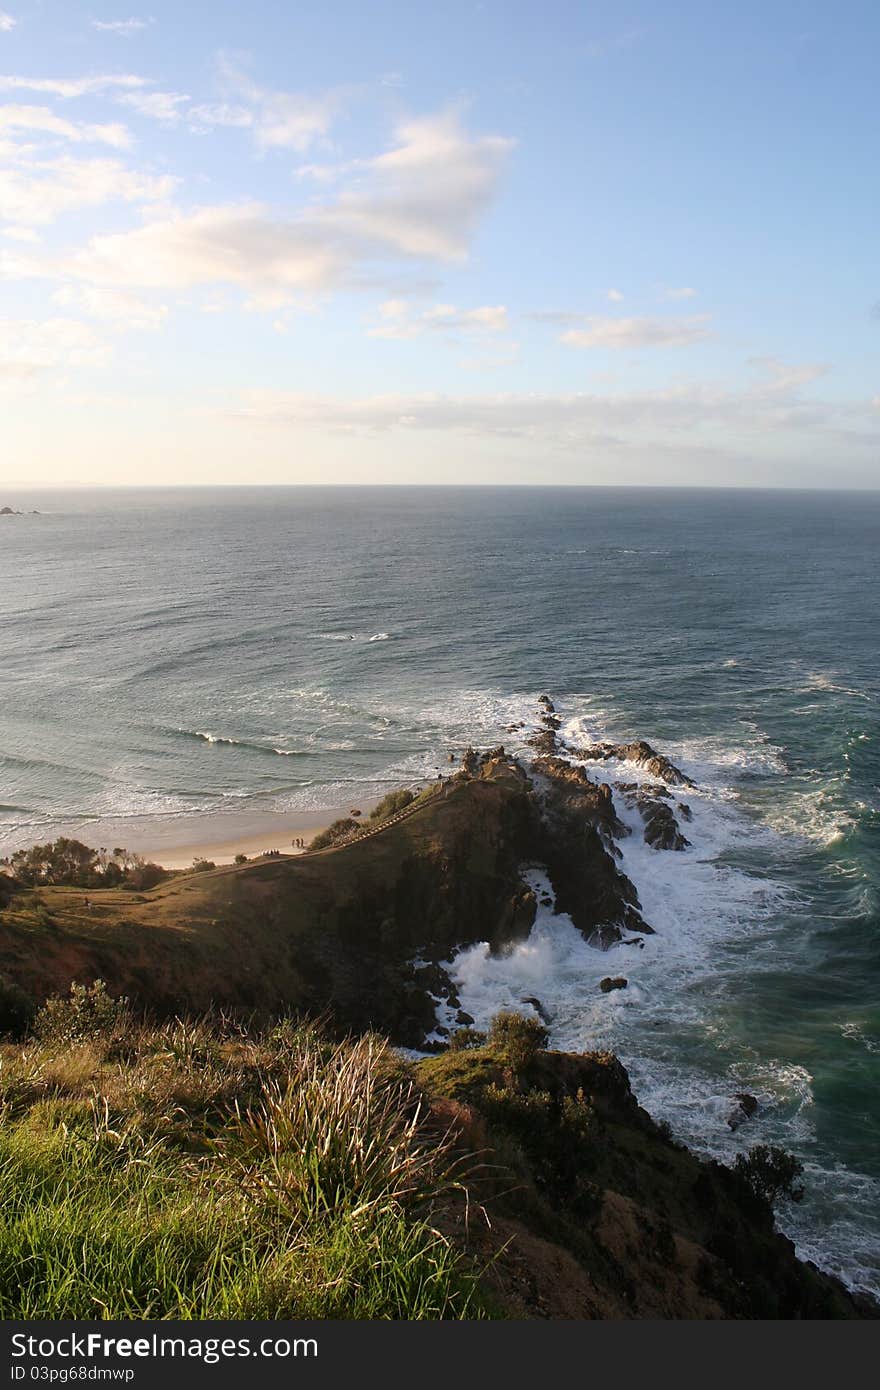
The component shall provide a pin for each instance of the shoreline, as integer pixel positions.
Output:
(250, 833)
(219, 838)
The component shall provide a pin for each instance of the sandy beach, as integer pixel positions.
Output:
(176, 842)
(221, 838)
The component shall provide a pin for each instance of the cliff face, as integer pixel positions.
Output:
(593, 1211)
(579, 827)
(605, 1215)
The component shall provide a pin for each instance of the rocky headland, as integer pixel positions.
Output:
(613, 1217)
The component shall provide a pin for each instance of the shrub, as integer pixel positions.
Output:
(202, 866)
(391, 804)
(517, 1038)
(87, 1011)
(339, 833)
(465, 1038)
(770, 1172)
(240, 859)
(142, 877)
(17, 1008)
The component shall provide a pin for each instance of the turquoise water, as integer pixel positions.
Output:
(174, 653)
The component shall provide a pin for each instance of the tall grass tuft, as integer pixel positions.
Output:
(196, 1170)
(342, 1132)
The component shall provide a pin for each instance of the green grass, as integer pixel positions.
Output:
(196, 1171)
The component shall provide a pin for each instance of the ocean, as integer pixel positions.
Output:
(168, 654)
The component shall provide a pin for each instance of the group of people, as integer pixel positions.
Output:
(276, 853)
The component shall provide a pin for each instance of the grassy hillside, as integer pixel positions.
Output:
(204, 1169)
(197, 1170)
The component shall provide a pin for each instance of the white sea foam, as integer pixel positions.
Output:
(668, 1024)
(828, 680)
(857, 1034)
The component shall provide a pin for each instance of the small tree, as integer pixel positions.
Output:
(770, 1172)
(517, 1038)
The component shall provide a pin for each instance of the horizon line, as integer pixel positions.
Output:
(69, 486)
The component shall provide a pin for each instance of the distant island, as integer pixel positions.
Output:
(10, 511)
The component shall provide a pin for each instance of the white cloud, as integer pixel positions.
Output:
(683, 292)
(638, 332)
(124, 309)
(203, 118)
(288, 121)
(36, 192)
(158, 106)
(678, 419)
(278, 120)
(7, 22)
(72, 86)
(780, 378)
(29, 347)
(20, 233)
(614, 295)
(123, 27)
(398, 320)
(423, 199)
(39, 120)
(327, 173)
(239, 244)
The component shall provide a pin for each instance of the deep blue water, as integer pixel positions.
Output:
(168, 653)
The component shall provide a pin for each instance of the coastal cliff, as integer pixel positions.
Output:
(593, 1210)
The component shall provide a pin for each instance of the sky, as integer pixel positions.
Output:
(499, 242)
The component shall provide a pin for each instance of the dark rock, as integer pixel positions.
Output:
(637, 752)
(746, 1106)
(466, 1020)
(494, 755)
(661, 827)
(685, 811)
(469, 760)
(543, 742)
(547, 703)
(537, 1006)
(577, 845)
(613, 982)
